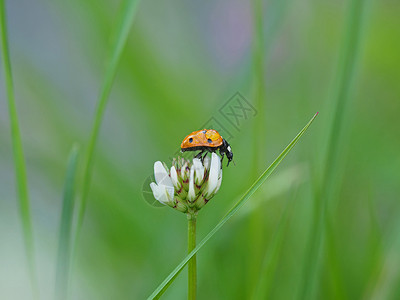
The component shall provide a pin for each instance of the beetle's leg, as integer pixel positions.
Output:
(204, 156)
(222, 158)
(199, 154)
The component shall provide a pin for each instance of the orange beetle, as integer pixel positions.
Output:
(207, 140)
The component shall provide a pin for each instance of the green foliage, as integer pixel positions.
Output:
(172, 70)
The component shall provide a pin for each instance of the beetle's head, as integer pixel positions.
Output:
(228, 152)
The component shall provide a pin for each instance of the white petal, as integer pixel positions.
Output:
(199, 170)
(159, 192)
(161, 175)
(155, 189)
(184, 174)
(174, 177)
(191, 195)
(162, 193)
(207, 162)
(215, 168)
(219, 182)
(170, 192)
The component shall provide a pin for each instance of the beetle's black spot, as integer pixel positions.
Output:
(190, 140)
(209, 140)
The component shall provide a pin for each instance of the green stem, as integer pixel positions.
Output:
(192, 268)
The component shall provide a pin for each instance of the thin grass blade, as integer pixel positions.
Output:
(167, 282)
(327, 184)
(18, 153)
(385, 281)
(271, 258)
(259, 74)
(64, 243)
(377, 250)
(119, 41)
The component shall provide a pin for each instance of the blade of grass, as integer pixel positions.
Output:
(340, 100)
(167, 282)
(255, 227)
(328, 184)
(376, 249)
(258, 76)
(18, 153)
(64, 242)
(119, 41)
(265, 28)
(271, 258)
(385, 283)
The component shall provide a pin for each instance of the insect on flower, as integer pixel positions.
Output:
(207, 140)
(188, 185)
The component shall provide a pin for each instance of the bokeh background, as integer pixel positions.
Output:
(183, 61)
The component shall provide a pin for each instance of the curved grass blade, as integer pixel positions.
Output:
(167, 282)
(119, 41)
(18, 153)
(64, 243)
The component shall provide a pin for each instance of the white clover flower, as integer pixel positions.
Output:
(187, 186)
(163, 191)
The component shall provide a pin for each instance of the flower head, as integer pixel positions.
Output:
(188, 185)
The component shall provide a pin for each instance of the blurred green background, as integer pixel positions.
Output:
(183, 61)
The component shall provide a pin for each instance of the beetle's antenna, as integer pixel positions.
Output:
(229, 161)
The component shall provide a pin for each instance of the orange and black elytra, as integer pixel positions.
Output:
(207, 140)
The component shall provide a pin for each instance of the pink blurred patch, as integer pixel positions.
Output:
(229, 31)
